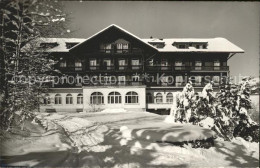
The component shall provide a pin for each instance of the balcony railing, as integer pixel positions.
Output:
(71, 69)
(158, 68)
(121, 51)
(148, 68)
(201, 68)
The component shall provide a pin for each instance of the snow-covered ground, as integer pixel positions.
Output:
(54, 149)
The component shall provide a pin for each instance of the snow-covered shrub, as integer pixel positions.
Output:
(229, 109)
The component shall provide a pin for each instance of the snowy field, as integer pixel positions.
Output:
(53, 148)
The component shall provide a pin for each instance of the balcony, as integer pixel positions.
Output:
(158, 68)
(121, 51)
(148, 68)
(201, 68)
(70, 69)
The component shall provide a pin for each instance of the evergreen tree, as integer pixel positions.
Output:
(23, 64)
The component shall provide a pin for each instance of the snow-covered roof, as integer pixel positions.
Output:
(61, 43)
(218, 44)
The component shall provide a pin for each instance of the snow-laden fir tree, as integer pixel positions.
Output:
(22, 23)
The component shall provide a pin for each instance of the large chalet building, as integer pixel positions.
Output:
(116, 69)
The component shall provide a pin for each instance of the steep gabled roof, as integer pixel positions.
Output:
(218, 44)
(119, 28)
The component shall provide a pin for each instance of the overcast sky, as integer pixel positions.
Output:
(236, 21)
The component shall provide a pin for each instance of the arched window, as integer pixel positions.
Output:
(159, 98)
(131, 97)
(69, 99)
(114, 98)
(57, 99)
(80, 99)
(169, 98)
(96, 98)
(149, 98)
(47, 99)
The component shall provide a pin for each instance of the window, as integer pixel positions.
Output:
(216, 80)
(182, 46)
(114, 98)
(122, 47)
(159, 98)
(208, 65)
(78, 65)
(121, 80)
(198, 65)
(164, 62)
(106, 48)
(125, 46)
(70, 45)
(149, 98)
(198, 80)
(80, 99)
(96, 98)
(169, 98)
(216, 65)
(93, 64)
(150, 62)
(179, 80)
(135, 78)
(49, 45)
(135, 63)
(57, 99)
(122, 64)
(63, 64)
(131, 98)
(107, 63)
(47, 99)
(119, 46)
(69, 99)
(178, 65)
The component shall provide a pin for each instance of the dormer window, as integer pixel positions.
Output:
(48, 45)
(70, 45)
(190, 45)
(182, 46)
(157, 44)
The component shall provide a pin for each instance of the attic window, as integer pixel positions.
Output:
(187, 45)
(182, 46)
(70, 45)
(158, 44)
(48, 45)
